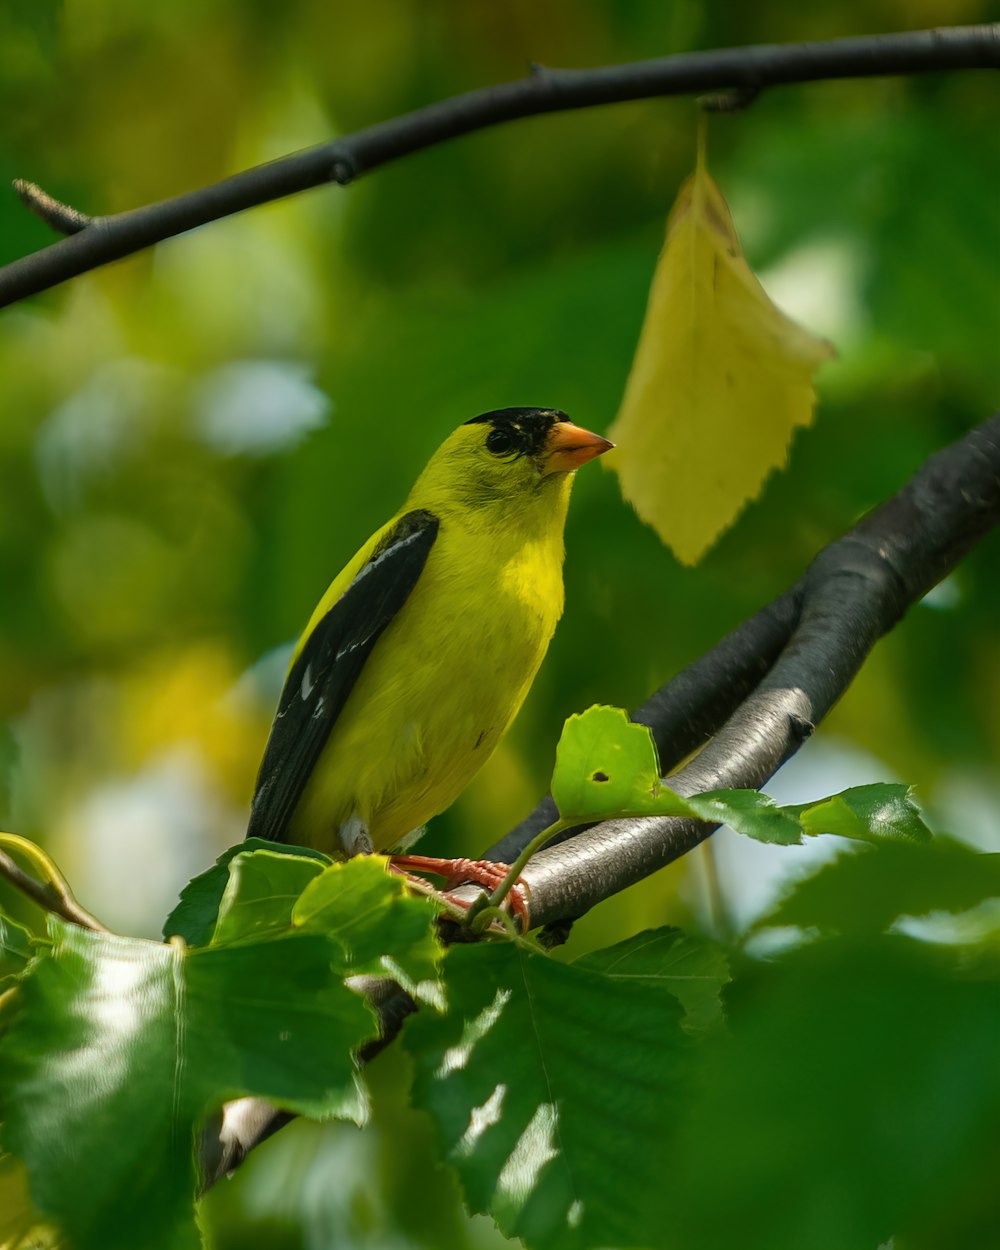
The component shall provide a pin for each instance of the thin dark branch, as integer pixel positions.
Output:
(742, 71)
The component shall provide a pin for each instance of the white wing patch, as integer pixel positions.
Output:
(308, 683)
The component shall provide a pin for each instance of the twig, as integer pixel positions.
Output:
(53, 893)
(737, 70)
(53, 212)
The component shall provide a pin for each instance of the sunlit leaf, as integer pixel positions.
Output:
(554, 1089)
(883, 811)
(151, 1038)
(720, 380)
(379, 928)
(692, 969)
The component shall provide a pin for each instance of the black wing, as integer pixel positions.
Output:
(330, 662)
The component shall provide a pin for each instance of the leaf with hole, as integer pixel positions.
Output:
(606, 766)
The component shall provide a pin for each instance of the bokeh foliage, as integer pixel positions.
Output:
(193, 441)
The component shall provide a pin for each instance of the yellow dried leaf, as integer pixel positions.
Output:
(721, 378)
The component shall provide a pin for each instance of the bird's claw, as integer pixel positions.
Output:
(457, 872)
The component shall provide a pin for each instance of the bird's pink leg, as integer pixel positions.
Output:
(484, 872)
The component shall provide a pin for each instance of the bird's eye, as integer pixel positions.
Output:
(499, 442)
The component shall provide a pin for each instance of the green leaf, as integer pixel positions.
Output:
(148, 1039)
(382, 929)
(554, 1088)
(851, 1099)
(748, 812)
(263, 888)
(880, 812)
(606, 766)
(693, 970)
(110, 1033)
(15, 948)
(867, 891)
(197, 910)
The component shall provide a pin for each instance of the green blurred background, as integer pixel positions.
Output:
(193, 441)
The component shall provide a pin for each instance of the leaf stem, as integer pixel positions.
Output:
(717, 908)
(536, 844)
(52, 893)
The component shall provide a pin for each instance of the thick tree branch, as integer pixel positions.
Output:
(855, 591)
(742, 71)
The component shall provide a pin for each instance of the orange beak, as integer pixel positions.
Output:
(568, 446)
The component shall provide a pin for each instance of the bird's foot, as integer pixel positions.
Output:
(457, 872)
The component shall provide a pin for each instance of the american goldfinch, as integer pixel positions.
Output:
(421, 652)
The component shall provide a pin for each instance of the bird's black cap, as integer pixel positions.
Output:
(528, 428)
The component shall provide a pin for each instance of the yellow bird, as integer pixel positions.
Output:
(421, 652)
